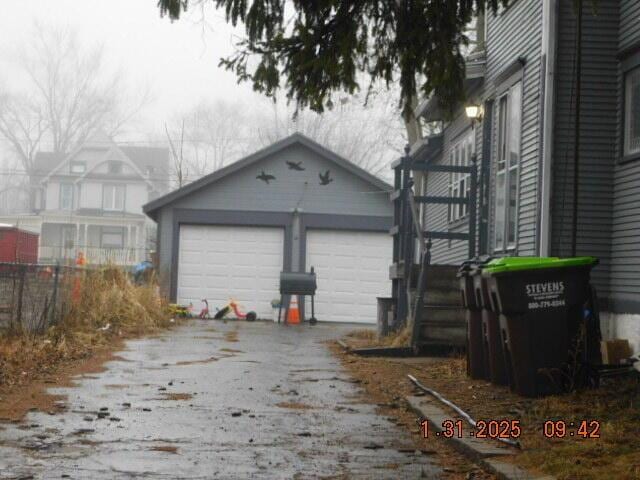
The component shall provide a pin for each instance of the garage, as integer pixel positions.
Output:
(352, 269)
(222, 262)
(285, 208)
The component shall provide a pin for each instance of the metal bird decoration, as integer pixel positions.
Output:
(295, 165)
(265, 177)
(324, 179)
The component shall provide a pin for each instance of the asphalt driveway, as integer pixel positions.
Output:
(216, 400)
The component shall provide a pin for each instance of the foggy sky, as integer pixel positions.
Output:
(177, 60)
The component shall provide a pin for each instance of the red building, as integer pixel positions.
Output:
(18, 245)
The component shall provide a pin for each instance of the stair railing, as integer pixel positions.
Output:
(419, 224)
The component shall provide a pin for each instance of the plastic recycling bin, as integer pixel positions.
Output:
(476, 367)
(492, 349)
(540, 302)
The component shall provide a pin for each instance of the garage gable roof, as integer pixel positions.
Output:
(297, 138)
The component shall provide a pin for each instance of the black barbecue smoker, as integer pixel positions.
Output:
(300, 283)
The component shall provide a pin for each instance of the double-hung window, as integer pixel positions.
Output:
(459, 183)
(66, 196)
(507, 168)
(632, 112)
(113, 197)
(112, 237)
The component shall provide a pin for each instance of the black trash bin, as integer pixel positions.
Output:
(476, 366)
(492, 350)
(541, 303)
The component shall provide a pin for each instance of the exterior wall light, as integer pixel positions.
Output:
(474, 112)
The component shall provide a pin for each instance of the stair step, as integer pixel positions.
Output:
(444, 313)
(443, 296)
(451, 335)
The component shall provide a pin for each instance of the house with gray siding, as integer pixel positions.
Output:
(533, 64)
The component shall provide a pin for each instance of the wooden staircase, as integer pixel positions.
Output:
(428, 296)
(443, 320)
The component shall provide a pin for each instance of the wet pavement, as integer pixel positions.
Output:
(215, 400)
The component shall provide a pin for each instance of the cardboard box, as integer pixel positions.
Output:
(614, 351)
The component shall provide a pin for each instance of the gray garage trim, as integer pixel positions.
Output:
(152, 208)
(184, 216)
(622, 306)
(319, 221)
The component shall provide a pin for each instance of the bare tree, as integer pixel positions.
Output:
(369, 135)
(207, 137)
(66, 96)
(179, 166)
(211, 135)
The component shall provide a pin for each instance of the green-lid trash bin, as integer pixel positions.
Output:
(540, 302)
(477, 367)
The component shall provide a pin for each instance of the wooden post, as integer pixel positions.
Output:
(22, 271)
(54, 295)
(473, 192)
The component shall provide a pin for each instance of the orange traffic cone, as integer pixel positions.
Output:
(294, 314)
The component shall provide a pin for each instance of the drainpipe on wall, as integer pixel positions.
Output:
(549, 43)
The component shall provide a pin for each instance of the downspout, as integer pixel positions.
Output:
(549, 44)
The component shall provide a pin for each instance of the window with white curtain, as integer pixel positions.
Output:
(632, 112)
(459, 183)
(507, 168)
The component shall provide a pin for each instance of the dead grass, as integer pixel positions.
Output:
(295, 405)
(616, 405)
(106, 309)
(231, 336)
(384, 383)
(369, 338)
(177, 396)
(165, 448)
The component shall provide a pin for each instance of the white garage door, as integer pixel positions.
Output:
(220, 262)
(352, 270)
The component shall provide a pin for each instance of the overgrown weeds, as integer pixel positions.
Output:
(108, 300)
(100, 308)
(370, 338)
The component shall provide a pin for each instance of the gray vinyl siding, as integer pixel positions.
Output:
(436, 216)
(625, 250)
(347, 194)
(514, 34)
(241, 192)
(164, 246)
(629, 23)
(517, 33)
(597, 140)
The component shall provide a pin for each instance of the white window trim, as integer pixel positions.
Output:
(113, 207)
(627, 149)
(77, 164)
(72, 190)
(509, 172)
(461, 153)
(105, 230)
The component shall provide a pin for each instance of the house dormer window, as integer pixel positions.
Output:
(115, 168)
(78, 167)
(113, 197)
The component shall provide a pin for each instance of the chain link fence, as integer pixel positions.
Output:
(33, 297)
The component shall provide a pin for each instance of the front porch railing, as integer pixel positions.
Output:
(92, 255)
